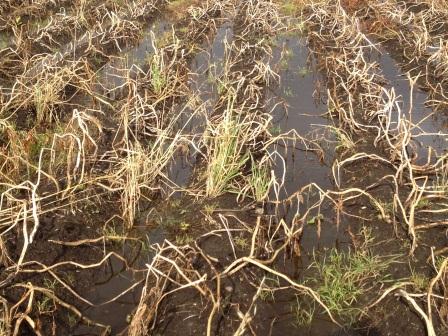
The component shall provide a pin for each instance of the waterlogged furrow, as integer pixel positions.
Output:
(80, 24)
(420, 37)
(382, 134)
(14, 13)
(239, 133)
(149, 135)
(235, 144)
(165, 179)
(51, 33)
(46, 79)
(84, 165)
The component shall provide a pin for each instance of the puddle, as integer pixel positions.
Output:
(114, 279)
(294, 109)
(207, 65)
(113, 74)
(430, 122)
(204, 68)
(302, 111)
(297, 111)
(112, 283)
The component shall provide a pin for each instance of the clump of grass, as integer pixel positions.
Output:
(419, 280)
(344, 279)
(184, 239)
(386, 207)
(292, 7)
(242, 242)
(111, 233)
(441, 180)
(42, 87)
(141, 167)
(259, 181)
(344, 140)
(227, 153)
(36, 143)
(158, 77)
(45, 305)
(45, 95)
(209, 209)
(303, 312)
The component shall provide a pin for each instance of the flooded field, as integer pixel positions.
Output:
(224, 167)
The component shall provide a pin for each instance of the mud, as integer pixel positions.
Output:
(298, 104)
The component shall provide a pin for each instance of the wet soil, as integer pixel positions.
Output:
(298, 105)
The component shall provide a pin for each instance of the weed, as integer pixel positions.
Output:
(177, 6)
(343, 279)
(110, 232)
(419, 280)
(210, 208)
(388, 208)
(344, 140)
(423, 203)
(439, 260)
(284, 64)
(72, 320)
(441, 181)
(290, 7)
(227, 155)
(184, 239)
(303, 71)
(259, 181)
(184, 226)
(303, 312)
(70, 278)
(222, 86)
(158, 77)
(288, 92)
(50, 284)
(267, 295)
(36, 143)
(241, 242)
(170, 222)
(275, 130)
(45, 305)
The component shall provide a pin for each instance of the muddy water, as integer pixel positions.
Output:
(296, 89)
(113, 74)
(204, 68)
(114, 278)
(432, 126)
(299, 109)
(297, 112)
(207, 65)
(302, 110)
(112, 281)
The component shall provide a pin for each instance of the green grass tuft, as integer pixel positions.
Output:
(343, 278)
